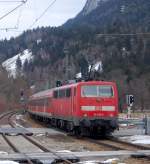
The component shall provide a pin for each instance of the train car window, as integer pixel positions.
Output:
(64, 93)
(61, 93)
(49, 102)
(55, 94)
(68, 92)
(74, 91)
(33, 102)
(42, 102)
(39, 102)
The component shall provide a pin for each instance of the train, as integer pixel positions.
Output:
(89, 107)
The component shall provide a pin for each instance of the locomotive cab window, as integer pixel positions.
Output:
(105, 91)
(96, 91)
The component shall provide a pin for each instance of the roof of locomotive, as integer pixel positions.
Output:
(49, 92)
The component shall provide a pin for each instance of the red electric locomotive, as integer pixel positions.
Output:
(80, 107)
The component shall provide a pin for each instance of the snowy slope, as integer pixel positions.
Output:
(96, 67)
(90, 6)
(10, 64)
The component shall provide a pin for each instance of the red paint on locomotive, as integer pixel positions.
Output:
(93, 103)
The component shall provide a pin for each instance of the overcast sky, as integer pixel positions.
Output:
(25, 16)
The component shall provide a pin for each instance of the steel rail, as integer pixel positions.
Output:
(6, 114)
(10, 143)
(116, 141)
(43, 148)
(101, 143)
(141, 147)
(14, 148)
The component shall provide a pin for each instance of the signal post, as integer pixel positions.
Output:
(129, 101)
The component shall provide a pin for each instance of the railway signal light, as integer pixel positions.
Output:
(130, 100)
(58, 83)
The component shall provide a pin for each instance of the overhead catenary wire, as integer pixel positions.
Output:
(18, 20)
(122, 34)
(12, 1)
(43, 13)
(18, 6)
(14, 29)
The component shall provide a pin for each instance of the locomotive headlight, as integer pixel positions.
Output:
(88, 108)
(85, 115)
(108, 108)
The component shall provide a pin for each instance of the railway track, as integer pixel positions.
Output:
(18, 148)
(116, 144)
(113, 144)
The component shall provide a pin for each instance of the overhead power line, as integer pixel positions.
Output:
(19, 17)
(8, 13)
(12, 1)
(14, 29)
(8, 29)
(43, 13)
(123, 34)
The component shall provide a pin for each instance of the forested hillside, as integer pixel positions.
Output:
(116, 33)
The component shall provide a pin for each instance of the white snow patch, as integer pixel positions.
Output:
(40, 135)
(116, 160)
(108, 161)
(8, 162)
(78, 75)
(19, 117)
(138, 139)
(64, 151)
(17, 125)
(96, 67)
(10, 64)
(90, 6)
(32, 87)
(3, 153)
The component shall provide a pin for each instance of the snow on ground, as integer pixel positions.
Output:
(137, 139)
(8, 162)
(96, 67)
(10, 64)
(3, 153)
(108, 161)
(78, 75)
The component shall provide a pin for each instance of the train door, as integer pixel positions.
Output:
(73, 103)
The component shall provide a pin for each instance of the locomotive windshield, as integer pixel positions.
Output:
(96, 91)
